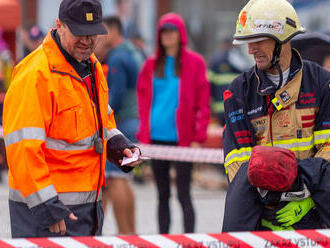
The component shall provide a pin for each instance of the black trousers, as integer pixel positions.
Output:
(183, 171)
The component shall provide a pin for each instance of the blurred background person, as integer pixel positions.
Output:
(6, 64)
(173, 104)
(6, 68)
(121, 62)
(224, 66)
(227, 63)
(126, 11)
(32, 38)
(139, 43)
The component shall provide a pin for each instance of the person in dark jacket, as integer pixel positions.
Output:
(282, 102)
(224, 66)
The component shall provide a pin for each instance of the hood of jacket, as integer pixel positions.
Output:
(176, 20)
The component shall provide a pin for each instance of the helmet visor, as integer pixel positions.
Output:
(246, 41)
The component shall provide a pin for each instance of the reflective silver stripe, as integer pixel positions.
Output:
(108, 134)
(34, 199)
(25, 133)
(62, 145)
(16, 195)
(296, 195)
(322, 136)
(238, 155)
(71, 198)
(76, 198)
(109, 110)
(297, 146)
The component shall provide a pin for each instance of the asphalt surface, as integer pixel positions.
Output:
(209, 207)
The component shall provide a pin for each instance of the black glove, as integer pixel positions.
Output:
(115, 148)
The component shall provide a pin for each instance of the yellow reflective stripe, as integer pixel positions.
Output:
(296, 148)
(238, 155)
(301, 144)
(292, 141)
(322, 136)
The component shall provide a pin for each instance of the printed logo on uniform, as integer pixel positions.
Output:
(307, 98)
(268, 26)
(236, 115)
(89, 17)
(283, 119)
(285, 96)
(259, 125)
(255, 111)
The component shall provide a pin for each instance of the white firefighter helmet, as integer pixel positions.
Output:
(262, 19)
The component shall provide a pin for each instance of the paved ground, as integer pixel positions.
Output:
(209, 205)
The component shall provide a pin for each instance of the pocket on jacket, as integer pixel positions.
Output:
(65, 121)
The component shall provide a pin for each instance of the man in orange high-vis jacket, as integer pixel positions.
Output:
(59, 130)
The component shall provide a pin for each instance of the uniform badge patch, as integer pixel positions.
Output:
(89, 17)
(285, 96)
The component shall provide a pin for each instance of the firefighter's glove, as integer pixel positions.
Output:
(294, 211)
(271, 226)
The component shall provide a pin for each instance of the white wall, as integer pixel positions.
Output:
(47, 13)
(315, 16)
(147, 22)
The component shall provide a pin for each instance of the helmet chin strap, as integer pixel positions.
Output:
(276, 62)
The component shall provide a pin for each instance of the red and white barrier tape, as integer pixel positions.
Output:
(186, 154)
(177, 153)
(298, 238)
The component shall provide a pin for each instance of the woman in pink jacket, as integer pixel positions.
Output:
(173, 105)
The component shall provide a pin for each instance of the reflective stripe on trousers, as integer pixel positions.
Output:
(68, 198)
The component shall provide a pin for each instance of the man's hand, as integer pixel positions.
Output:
(129, 153)
(294, 211)
(60, 226)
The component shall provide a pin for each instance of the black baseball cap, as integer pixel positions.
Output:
(83, 17)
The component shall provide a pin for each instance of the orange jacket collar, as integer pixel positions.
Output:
(57, 61)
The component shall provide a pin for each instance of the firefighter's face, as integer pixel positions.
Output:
(79, 47)
(262, 52)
